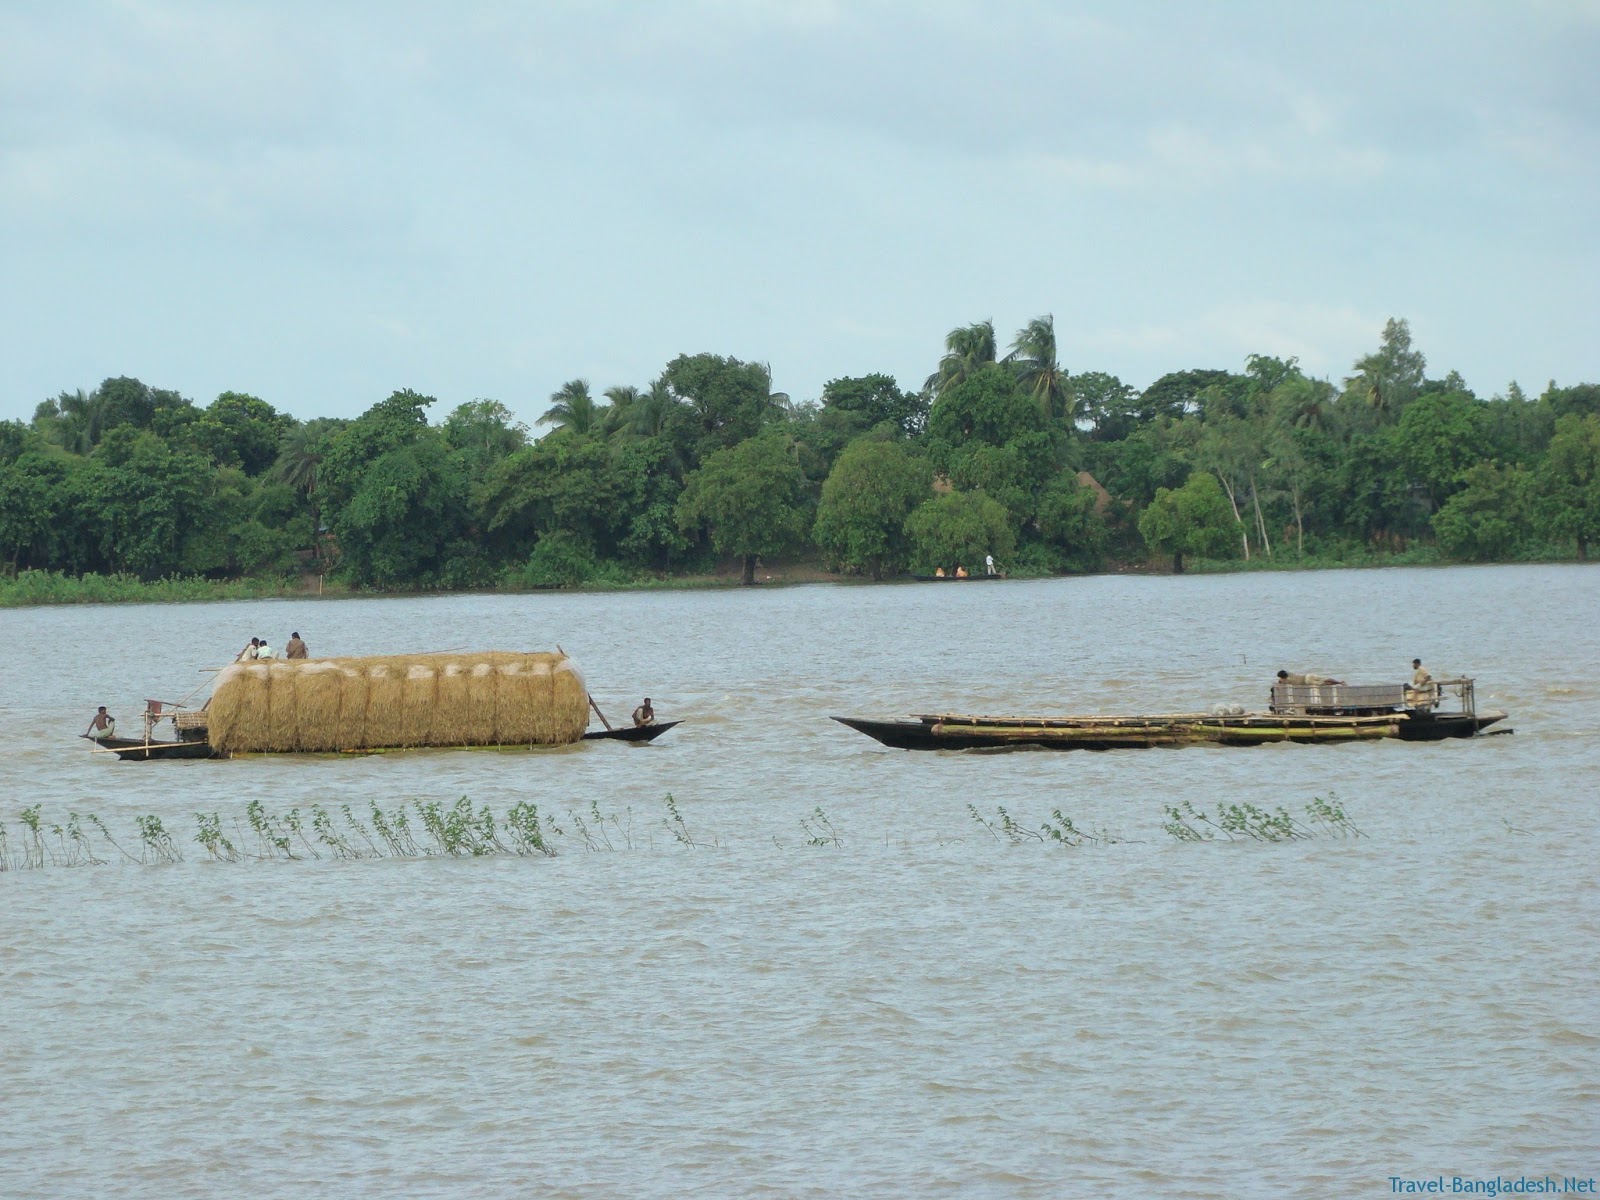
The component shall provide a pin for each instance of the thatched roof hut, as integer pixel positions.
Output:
(493, 698)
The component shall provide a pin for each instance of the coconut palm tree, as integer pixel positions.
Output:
(966, 349)
(573, 409)
(299, 466)
(622, 398)
(1033, 355)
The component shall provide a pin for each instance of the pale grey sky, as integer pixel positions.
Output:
(319, 203)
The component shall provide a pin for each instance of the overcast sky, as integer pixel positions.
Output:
(320, 203)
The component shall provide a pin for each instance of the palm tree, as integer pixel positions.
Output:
(78, 420)
(1033, 354)
(966, 349)
(1389, 377)
(572, 408)
(617, 413)
(299, 465)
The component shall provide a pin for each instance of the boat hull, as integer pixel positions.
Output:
(630, 733)
(137, 749)
(132, 749)
(1140, 733)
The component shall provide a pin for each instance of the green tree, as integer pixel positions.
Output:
(236, 430)
(872, 489)
(959, 528)
(573, 409)
(1439, 438)
(1069, 521)
(396, 495)
(1195, 519)
(750, 498)
(138, 502)
(986, 406)
(1391, 376)
(967, 351)
(1487, 518)
(728, 400)
(1569, 482)
(1033, 356)
(483, 433)
(877, 400)
(29, 506)
(1109, 406)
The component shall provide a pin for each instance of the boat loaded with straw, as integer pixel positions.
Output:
(491, 699)
(1317, 713)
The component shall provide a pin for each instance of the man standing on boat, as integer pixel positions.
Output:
(988, 564)
(1422, 691)
(102, 725)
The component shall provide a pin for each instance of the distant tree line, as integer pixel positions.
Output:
(997, 453)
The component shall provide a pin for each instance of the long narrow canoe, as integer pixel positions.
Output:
(137, 748)
(630, 733)
(950, 731)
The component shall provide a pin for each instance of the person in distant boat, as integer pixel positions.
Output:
(938, 573)
(961, 572)
(1422, 690)
(988, 564)
(101, 725)
(263, 650)
(248, 652)
(295, 648)
(644, 714)
(1301, 680)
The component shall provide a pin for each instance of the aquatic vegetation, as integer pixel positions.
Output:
(675, 824)
(1241, 822)
(819, 830)
(1058, 829)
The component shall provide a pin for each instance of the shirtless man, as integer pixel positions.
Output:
(644, 714)
(101, 725)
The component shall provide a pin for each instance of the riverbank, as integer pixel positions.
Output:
(37, 588)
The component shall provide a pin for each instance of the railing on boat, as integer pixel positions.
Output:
(1327, 699)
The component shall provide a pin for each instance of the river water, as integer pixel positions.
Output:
(880, 999)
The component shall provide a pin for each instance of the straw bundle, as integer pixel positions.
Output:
(486, 699)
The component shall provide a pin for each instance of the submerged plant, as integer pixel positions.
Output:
(675, 824)
(1246, 822)
(210, 836)
(819, 830)
(157, 841)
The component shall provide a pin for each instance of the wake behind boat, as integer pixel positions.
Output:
(1314, 713)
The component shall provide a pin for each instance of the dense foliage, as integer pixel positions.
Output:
(1005, 454)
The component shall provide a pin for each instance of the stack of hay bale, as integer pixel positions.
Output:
(492, 698)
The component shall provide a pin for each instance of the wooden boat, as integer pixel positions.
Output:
(490, 700)
(1323, 714)
(137, 749)
(978, 578)
(630, 733)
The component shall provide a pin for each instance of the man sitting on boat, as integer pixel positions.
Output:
(644, 714)
(102, 725)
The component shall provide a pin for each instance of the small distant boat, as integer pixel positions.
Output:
(1316, 714)
(956, 578)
